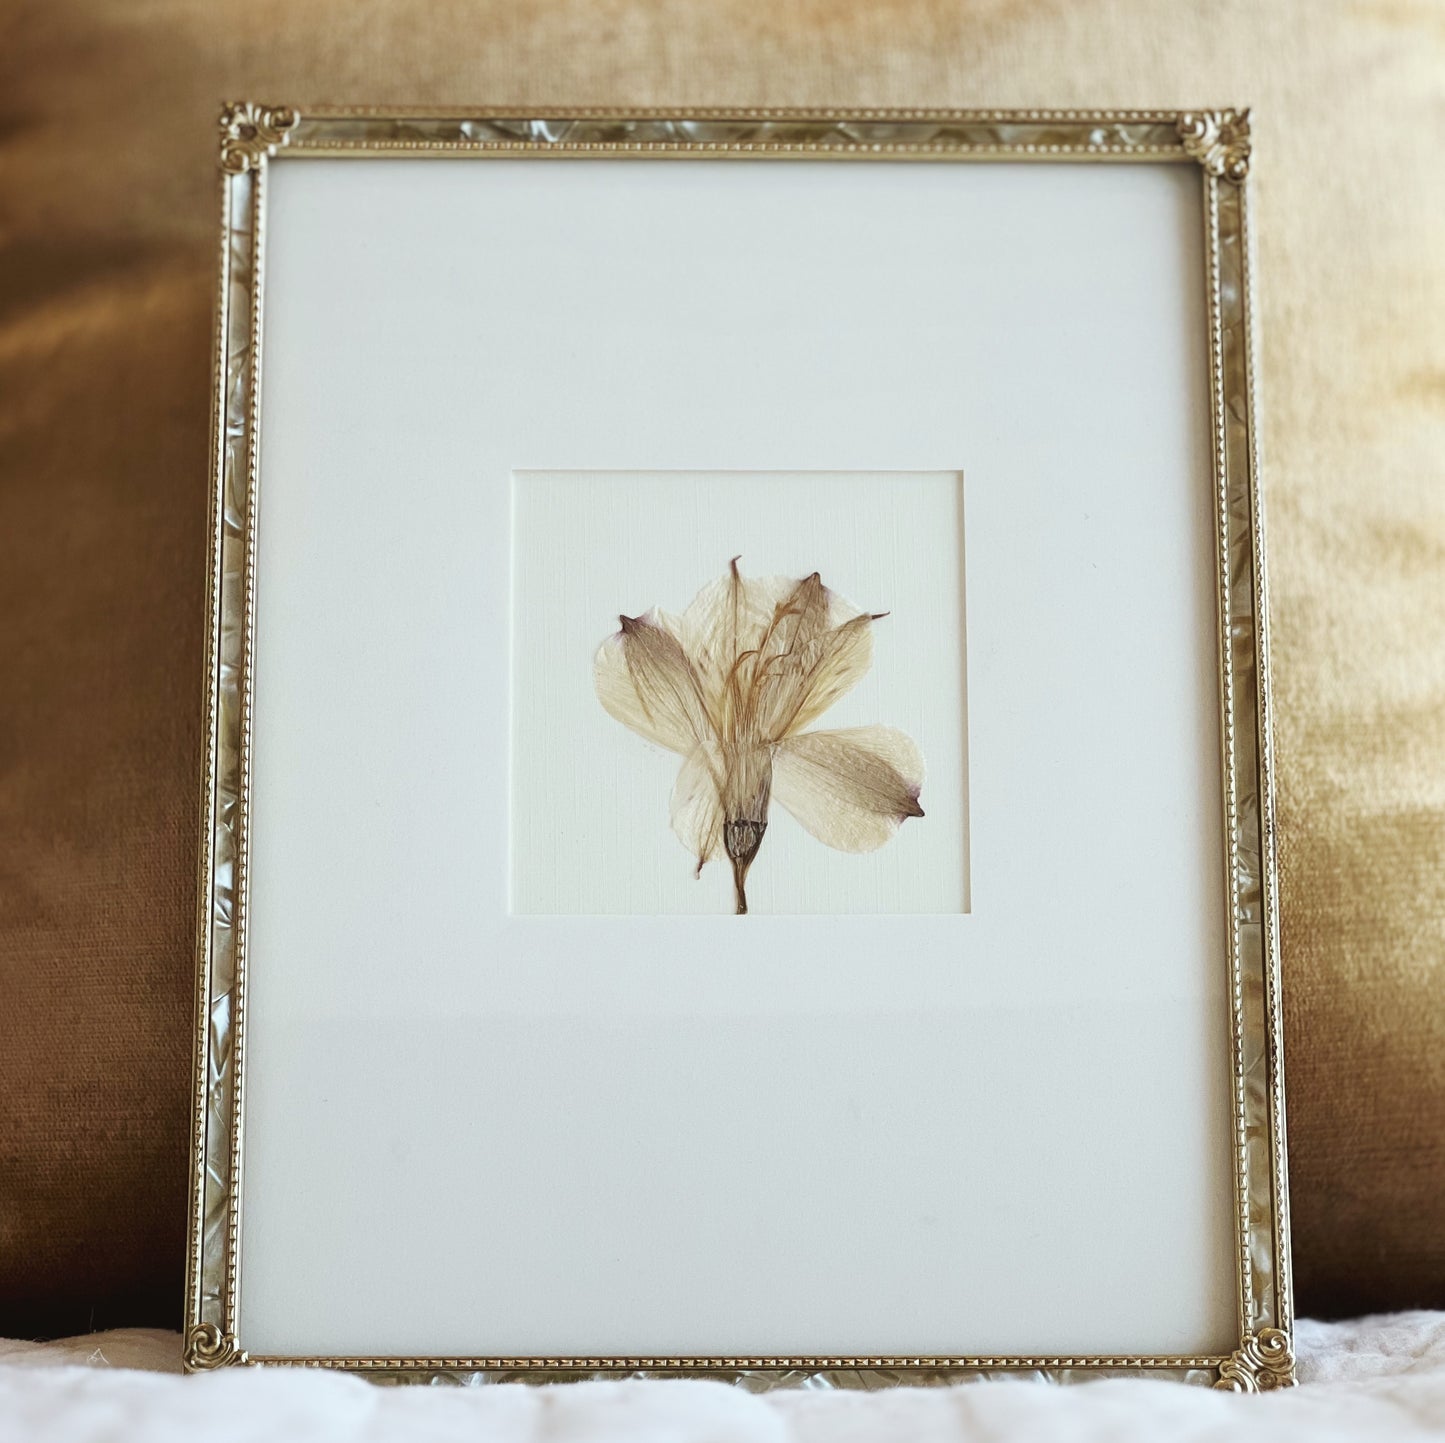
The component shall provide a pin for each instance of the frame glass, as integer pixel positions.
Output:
(364, 287)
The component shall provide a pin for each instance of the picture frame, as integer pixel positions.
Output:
(281, 1134)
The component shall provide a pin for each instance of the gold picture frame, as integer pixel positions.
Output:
(255, 137)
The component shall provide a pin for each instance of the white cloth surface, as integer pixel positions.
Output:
(1380, 1379)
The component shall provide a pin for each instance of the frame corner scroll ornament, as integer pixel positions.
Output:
(252, 133)
(208, 1347)
(1265, 1361)
(1219, 140)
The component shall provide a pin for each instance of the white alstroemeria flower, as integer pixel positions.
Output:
(731, 685)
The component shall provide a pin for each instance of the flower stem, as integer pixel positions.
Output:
(742, 837)
(740, 873)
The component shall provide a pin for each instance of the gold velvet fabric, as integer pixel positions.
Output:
(107, 261)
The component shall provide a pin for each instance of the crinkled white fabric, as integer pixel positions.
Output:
(1380, 1379)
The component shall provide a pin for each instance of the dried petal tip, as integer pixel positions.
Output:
(629, 624)
(912, 809)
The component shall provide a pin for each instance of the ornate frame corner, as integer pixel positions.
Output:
(207, 1348)
(1263, 1362)
(251, 133)
(1218, 144)
(1219, 140)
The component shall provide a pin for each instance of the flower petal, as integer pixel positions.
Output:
(726, 621)
(801, 685)
(733, 611)
(643, 678)
(801, 617)
(851, 789)
(697, 813)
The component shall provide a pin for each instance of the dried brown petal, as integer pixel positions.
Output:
(697, 813)
(851, 789)
(721, 631)
(644, 679)
(803, 684)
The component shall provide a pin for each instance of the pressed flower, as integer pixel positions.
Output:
(730, 685)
